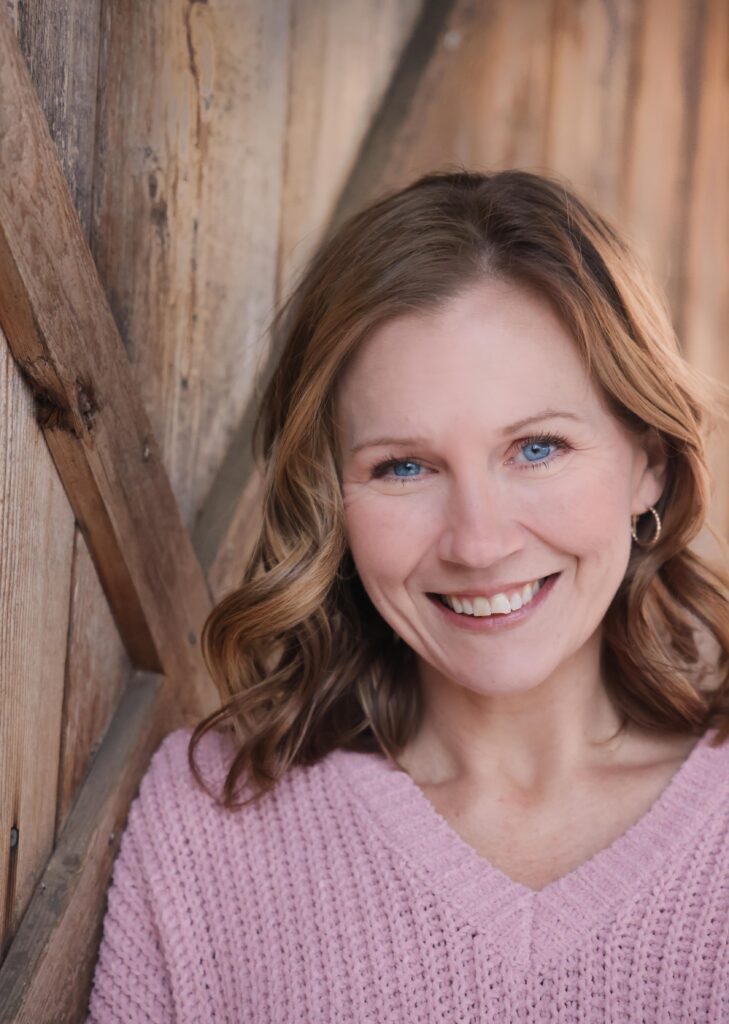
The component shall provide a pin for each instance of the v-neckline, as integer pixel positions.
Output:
(523, 923)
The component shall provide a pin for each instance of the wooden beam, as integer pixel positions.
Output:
(59, 326)
(376, 146)
(61, 929)
(237, 544)
(215, 526)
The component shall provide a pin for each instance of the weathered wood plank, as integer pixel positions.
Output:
(61, 331)
(483, 100)
(237, 544)
(60, 43)
(47, 973)
(97, 671)
(342, 59)
(36, 527)
(591, 76)
(187, 199)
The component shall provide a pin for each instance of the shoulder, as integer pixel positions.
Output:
(171, 799)
(184, 841)
(169, 775)
(170, 804)
(170, 763)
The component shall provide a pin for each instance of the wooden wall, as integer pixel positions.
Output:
(205, 146)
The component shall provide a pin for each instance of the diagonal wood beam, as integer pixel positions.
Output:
(60, 329)
(226, 524)
(376, 147)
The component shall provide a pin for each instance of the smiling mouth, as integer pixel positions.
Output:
(499, 604)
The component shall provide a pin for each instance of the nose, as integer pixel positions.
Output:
(479, 524)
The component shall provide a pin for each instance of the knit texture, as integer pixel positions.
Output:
(345, 896)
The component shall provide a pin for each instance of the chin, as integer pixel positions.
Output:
(502, 680)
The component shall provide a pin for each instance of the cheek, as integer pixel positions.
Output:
(590, 517)
(387, 536)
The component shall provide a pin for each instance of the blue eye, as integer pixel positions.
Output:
(394, 464)
(533, 452)
(540, 450)
(536, 452)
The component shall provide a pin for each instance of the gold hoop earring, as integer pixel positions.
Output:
(657, 533)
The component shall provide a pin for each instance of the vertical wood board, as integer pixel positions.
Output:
(36, 537)
(186, 213)
(342, 57)
(591, 96)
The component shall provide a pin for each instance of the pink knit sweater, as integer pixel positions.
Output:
(345, 896)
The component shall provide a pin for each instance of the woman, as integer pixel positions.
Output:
(477, 678)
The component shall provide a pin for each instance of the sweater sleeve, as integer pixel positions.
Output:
(131, 981)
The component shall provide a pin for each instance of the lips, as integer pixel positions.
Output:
(502, 616)
(498, 602)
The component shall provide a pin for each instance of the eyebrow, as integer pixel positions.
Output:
(511, 428)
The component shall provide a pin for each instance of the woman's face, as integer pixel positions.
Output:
(476, 457)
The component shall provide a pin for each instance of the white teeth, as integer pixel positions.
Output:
(498, 604)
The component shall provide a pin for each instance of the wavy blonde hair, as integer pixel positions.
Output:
(303, 661)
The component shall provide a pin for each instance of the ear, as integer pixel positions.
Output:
(651, 470)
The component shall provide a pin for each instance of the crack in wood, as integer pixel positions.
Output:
(88, 405)
(52, 408)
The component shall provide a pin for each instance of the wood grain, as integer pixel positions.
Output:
(187, 201)
(97, 671)
(342, 59)
(59, 326)
(660, 141)
(483, 102)
(60, 43)
(593, 70)
(233, 551)
(36, 531)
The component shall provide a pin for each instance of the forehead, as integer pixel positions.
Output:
(494, 353)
